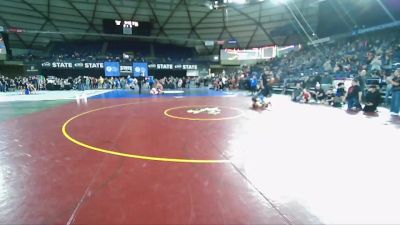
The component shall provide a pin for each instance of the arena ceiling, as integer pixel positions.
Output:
(184, 22)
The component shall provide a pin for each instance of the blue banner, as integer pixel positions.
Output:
(111, 69)
(140, 69)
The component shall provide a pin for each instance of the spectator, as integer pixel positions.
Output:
(180, 82)
(372, 99)
(198, 82)
(101, 82)
(87, 83)
(151, 82)
(2, 85)
(328, 66)
(319, 94)
(361, 80)
(306, 95)
(297, 94)
(330, 97)
(123, 83)
(395, 106)
(111, 82)
(140, 84)
(82, 83)
(326, 82)
(340, 95)
(376, 63)
(388, 90)
(253, 84)
(353, 96)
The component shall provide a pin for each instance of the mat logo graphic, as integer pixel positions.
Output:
(210, 111)
(46, 64)
(78, 64)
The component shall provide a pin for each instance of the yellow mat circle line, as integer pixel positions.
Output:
(143, 157)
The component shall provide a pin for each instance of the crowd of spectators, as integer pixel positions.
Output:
(19, 83)
(318, 73)
(90, 83)
(56, 83)
(322, 74)
(124, 52)
(83, 57)
(376, 53)
(354, 96)
(370, 60)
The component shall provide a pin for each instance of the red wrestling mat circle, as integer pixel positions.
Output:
(141, 131)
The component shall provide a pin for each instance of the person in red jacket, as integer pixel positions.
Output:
(353, 96)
